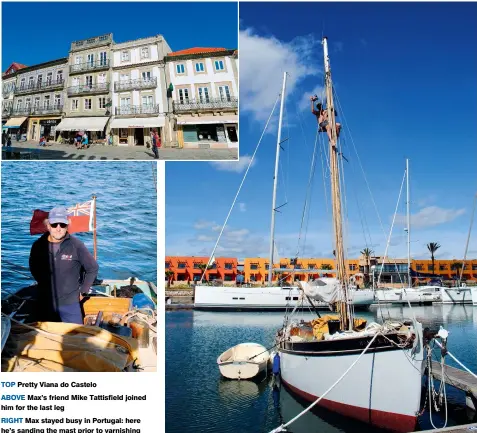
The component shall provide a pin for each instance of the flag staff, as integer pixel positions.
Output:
(95, 250)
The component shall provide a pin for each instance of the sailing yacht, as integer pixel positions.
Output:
(370, 372)
(414, 295)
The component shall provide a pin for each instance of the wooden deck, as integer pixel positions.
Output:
(457, 378)
(468, 428)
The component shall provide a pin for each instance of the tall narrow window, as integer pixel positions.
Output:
(49, 78)
(204, 95)
(184, 96)
(22, 83)
(144, 53)
(57, 101)
(28, 103)
(36, 104)
(180, 69)
(39, 81)
(46, 102)
(146, 75)
(124, 56)
(147, 100)
(74, 105)
(90, 60)
(89, 81)
(87, 104)
(102, 58)
(31, 83)
(199, 67)
(59, 77)
(19, 104)
(219, 65)
(224, 93)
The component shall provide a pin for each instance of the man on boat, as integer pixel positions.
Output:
(63, 268)
(322, 116)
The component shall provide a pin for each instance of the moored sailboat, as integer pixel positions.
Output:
(370, 372)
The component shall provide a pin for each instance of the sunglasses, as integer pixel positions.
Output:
(62, 225)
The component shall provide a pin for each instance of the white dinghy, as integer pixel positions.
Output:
(243, 361)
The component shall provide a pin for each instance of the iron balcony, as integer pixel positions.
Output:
(21, 111)
(135, 84)
(89, 66)
(204, 104)
(88, 89)
(54, 109)
(137, 109)
(35, 88)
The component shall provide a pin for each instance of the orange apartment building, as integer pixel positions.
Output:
(190, 269)
(255, 269)
(446, 269)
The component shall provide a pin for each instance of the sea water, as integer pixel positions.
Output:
(199, 400)
(126, 214)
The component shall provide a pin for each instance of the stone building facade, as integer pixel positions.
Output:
(139, 102)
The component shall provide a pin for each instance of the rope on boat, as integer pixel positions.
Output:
(284, 426)
(456, 360)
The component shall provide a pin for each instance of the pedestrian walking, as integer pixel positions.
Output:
(154, 144)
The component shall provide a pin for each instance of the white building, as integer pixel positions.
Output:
(139, 102)
(204, 95)
(9, 78)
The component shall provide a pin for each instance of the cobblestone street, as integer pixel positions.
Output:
(31, 150)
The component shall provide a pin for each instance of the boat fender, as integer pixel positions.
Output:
(276, 364)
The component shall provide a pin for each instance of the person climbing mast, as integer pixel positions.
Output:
(321, 114)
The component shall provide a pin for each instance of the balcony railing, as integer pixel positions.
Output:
(230, 103)
(92, 42)
(21, 111)
(135, 84)
(88, 89)
(89, 66)
(137, 109)
(53, 109)
(32, 88)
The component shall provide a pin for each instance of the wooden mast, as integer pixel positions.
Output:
(341, 273)
(95, 245)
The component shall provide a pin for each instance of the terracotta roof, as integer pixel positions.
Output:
(197, 50)
(15, 67)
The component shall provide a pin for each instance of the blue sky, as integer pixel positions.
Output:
(37, 32)
(405, 75)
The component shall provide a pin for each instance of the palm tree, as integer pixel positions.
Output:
(367, 253)
(433, 247)
(457, 266)
(169, 274)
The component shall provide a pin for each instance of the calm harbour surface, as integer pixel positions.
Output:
(126, 209)
(199, 400)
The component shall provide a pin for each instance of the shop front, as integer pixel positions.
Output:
(207, 131)
(93, 126)
(136, 131)
(41, 127)
(16, 126)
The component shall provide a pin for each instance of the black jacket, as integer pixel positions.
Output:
(62, 277)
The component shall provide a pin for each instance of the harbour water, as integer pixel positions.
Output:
(126, 214)
(199, 400)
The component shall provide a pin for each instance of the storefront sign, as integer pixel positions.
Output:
(50, 122)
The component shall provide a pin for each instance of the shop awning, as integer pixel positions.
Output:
(141, 122)
(82, 124)
(202, 120)
(14, 122)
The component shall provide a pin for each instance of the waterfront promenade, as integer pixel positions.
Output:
(55, 151)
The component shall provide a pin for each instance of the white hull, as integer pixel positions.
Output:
(474, 295)
(413, 295)
(383, 388)
(456, 295)
(263, 298)
(244, 361)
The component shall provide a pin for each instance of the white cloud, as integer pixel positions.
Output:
(234, 166)
(203, 224)
(431, 216)
(242, 207)
(263, 60)
(304, 104)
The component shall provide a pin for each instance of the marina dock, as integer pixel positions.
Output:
(459, 379)
(467, 428)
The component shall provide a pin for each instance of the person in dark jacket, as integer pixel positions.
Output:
(63, 268)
